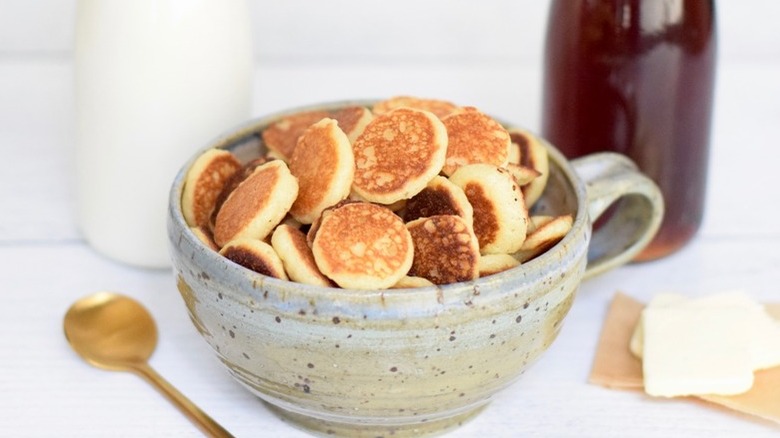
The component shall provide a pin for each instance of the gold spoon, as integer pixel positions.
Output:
(115, 332)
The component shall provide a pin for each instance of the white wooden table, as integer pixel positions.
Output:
(46, 390)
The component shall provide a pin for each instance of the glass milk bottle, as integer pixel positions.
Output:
(155, 81)
(637, 77)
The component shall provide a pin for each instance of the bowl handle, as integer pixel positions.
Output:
(612, 178)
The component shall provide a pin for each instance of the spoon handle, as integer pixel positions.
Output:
(195, 414)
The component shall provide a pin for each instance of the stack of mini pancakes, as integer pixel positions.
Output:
(412, 192)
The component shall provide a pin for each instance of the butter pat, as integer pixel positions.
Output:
(660, 300)
(764, 342)
(697, 351)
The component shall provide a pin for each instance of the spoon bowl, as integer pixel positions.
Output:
(111, 331)
(115, 332)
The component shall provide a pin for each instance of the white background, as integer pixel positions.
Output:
(484, 53)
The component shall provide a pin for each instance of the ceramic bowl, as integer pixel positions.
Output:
(406, 362)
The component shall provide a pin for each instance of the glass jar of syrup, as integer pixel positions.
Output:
(636, 77)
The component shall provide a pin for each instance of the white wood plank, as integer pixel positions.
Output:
(354, 31)
(405, 29)
(37, 26)
(744, 178)
(746, 32)
(36, 139)
(322, 30)
(507, 91)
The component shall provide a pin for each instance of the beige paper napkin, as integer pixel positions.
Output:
(615, 367)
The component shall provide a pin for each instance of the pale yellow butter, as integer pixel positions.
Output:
(660, 300)
(701, 351)
(708, 345)
(764, 343)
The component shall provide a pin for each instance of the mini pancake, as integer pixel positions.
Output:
(255, 255)
(258, 204)
(514, 152)
(537, 221)
(440, 108)
(362, 246)
(353, 120)
(232, 183)
(291, 247)
(312, 232)
(522, 174)
(544, 237)
(534, 155)
(204, 235)
(494, 263)
(290, 221)
(474, 138)
(282, 136)
(395, 206)
(324, 166)
(500, 216)
(205, 180)
(409, 282)
(445, 249)
(273, 155)
(439, 197)
(397, 154)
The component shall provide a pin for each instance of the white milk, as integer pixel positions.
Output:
(155, 81)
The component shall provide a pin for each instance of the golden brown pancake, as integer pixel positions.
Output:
(537, 221)
(255, 255)
(440, 108)
(362, 246)
(290, 245)
(397, 154)
(409, 282)
(232, 183)
(205, 236)
(312, 232)
(514, 152)
(445, 249)
(474, 138)
(439, 197)
(532, 155)
(205, 180)
(352, 120)
(273, 155)
(258, 204)
(290, 221)
(522, 174)
(544, 237)
(500, 216)
(490, 264)
(324, 166)
(395, 206)
(282, 136)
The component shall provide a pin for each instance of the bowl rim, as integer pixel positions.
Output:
(409, 301)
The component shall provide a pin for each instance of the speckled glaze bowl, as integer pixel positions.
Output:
(406, 362)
